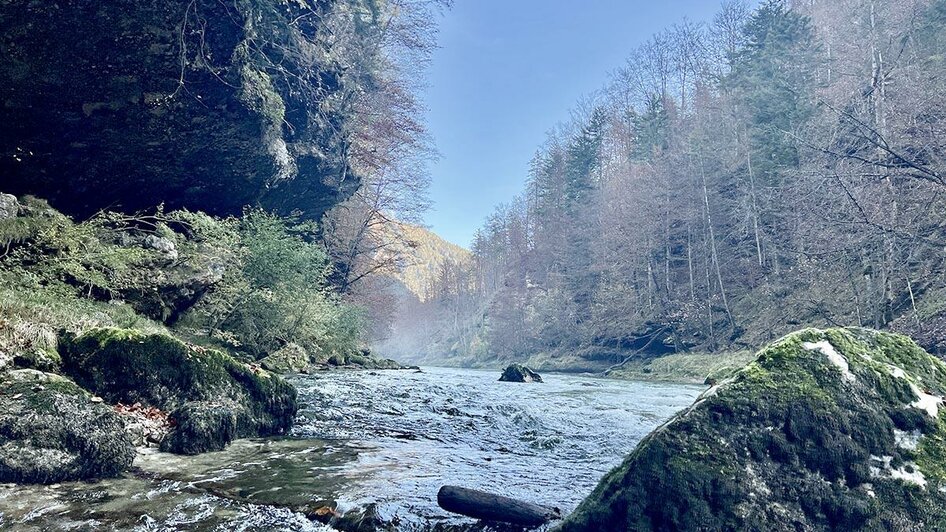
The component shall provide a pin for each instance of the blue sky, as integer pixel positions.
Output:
(506, 72)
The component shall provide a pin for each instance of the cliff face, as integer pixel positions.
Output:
(840, 429)
(425, 258)
(197, 104)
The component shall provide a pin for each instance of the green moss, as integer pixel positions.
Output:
(291, 357)
(790, 431)
(51, 431)
(201, 427)
(158, 370)
(38, 358)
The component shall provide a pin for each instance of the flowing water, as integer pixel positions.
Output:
(391, 438)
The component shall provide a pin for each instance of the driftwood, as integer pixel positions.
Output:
(489, 507)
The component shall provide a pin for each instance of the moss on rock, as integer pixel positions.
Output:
(129, 366)
(200, 427)
(40, 359)
(51, 430)
(827, 429)
(290, 358)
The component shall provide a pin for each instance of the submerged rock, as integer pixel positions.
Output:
(519, 373)
(127, 366)
(838, 429)
(52, 431)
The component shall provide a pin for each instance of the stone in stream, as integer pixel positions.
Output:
(290, 358)
(201, 426)
(838, 429)
(519, 373)
(52, 431)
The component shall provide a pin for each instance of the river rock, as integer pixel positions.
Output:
(201, 426)
(157, 370)
(519, 373)
(837, 429)
(52, 431)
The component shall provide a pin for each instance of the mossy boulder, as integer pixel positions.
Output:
(51, 430)
(37, 358)
(838, 429)
(363, 359)
(158, 370)
(290, 358)
(519, 373)
(201, 426)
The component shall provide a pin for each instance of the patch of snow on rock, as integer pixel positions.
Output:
(907, 440)
(927, 402)
(911, 475)
(896, 372)
(836, 358)
(914, 477)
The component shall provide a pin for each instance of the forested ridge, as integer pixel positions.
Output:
(779, 166)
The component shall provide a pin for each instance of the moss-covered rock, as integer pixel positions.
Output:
(51, 431)
(838, 429)
(158, 370)
(363, 359)
(291, 357)
(201, 426)
(40, 359)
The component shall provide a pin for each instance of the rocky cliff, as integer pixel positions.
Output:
(203, 105)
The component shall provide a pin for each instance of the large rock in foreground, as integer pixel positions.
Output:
(212, 397)
(827, 430)
(51, 431)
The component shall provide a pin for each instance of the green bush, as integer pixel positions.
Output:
(276, 293)
(58, 274)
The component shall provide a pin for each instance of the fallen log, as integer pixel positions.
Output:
(490, 507)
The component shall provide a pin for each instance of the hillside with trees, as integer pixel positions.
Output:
(781, 166)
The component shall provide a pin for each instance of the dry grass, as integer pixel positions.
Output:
(32, 317)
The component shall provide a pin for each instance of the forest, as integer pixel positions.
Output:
(778, 167)
(717, 302)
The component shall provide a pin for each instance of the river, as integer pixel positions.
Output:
(387, 437)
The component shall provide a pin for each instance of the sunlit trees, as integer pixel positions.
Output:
(781, 166)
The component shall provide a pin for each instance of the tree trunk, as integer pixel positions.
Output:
(489, 507)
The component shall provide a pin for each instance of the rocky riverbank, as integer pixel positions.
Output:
(124, 331)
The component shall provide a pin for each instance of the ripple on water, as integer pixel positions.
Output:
(391, 437)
